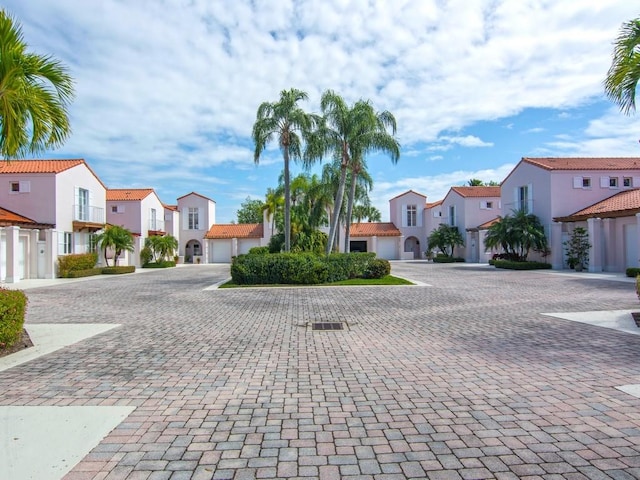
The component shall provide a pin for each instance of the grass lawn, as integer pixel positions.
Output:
(388, 280)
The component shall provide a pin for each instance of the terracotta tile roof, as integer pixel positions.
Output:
(482, 191)
(408, 191)
(621, 204)
(242, 230)
(43, 166)
(198, 195)
(170, 207)
(9, 218)
(486, 225)
(125, 194)
(586, 163)
(433, 204)
(371, 229)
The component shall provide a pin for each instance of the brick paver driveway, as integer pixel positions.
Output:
(461, 379)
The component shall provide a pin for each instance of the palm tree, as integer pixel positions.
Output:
(115, 238)
(35, 92)
(475, 182)
(365, 211)
(287, 122)
(623, 75)
(272, 202)
(167, 245)
(349, 133)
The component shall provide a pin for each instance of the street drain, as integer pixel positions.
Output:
(327, 326)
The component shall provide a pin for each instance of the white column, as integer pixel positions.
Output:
(374, 245)
(13, 251)
(400, 249)
(557, 249)
(594, 227)
(234, 247)
(608, 245)
(3, 252)
(32, 253)
(51, 252)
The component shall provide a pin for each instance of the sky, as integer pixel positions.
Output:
(167, 90)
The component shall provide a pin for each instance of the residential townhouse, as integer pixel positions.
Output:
(407, 214)
(196, 215)
(65, 195)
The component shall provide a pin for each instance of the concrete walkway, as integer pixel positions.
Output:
(463, 378)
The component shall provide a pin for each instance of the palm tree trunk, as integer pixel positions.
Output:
(352, 194)
(287, 202)
(337, 207)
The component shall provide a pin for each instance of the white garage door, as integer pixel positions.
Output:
(387, 248)
(221, 251)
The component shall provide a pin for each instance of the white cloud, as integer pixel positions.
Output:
(466, 141)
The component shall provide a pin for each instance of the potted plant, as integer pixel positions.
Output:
(577, 248)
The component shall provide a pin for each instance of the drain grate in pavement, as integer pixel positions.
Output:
(327, 326)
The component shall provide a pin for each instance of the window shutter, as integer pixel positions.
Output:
(636, 182)
(419, 214)
(530, 198)
(25, 186)
(185, 218)
(500, 204)
(577, 182)
(404, 215)
(483, 205)
(604, 182)
(436, 213)
(200, 225)
(516, 198)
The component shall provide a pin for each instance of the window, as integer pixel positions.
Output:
(93, 242)
(412, 211)
(523, 198)
(452, 215)
(626, 182)
(114, 209)
(82, 204)
(154, 219)
(194, 223)
(15, 187)
(586, 182)
(64, 243)
(613, 182)
(20, 187)
(486, 205)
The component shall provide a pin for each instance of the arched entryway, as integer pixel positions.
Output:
(192, 250)
(412, 244)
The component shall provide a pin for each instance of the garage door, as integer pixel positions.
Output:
(387, 248)
(221, 251)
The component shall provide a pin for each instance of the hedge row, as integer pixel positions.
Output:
(305, 268)
(633, 272)
(13, 304)
(84, 273)
(160, 264)
(511, 265)
(445, 259)
(118, 270)
(76, 262)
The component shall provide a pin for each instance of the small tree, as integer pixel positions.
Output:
(445, 238)
(250, 211)
(115, 238)
(577, 248)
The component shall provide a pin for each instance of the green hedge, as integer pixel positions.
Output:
(84, 273)
(75, 262)
(258, 250)
(633, 272)
(305, 268)
(445, 259)
(161, 264)
(118, 270)
(13, 304)
(511, 265)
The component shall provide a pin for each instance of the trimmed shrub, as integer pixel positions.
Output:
(377, 268)
(146, 255)
(74, 262)
(13, 304)
(84, 273)
(445, 259)
(118, 270)
(633, 272)
(258, 250)
(160, 264)
(281, 268)
(511, 265)
(344, 266)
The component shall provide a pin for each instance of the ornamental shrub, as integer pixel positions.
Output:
(118, 270)
(511, 265)
(74, 262)
(84, 273)
(160, 264)
(344, 266)
(377, 268)
(13, 304)
(146, 255)
(258, 250)
(446, 259)
(281, 268)
(633, 272)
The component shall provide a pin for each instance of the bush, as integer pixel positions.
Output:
(446, 259)
(146, 255)
(84, 273)
(344, 266)
(160, 264)
(281, 268)
(13, 304)
(377, 268)
(74, 262)
(118, 270)
(258, 250)
(511, 265)
(633, 272)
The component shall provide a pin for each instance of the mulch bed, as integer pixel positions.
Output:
(21, 344)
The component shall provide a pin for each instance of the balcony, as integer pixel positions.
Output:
(87, 217)
(156, 227)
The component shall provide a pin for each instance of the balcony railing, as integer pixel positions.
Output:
(87, 213)
(156, 225)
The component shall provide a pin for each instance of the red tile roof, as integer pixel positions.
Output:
(242, 230)
(9, 218)
(586, 163)
(486, 225)
(621, 204)
(480, 191)
(43, 166)
(433, 204)
(125, 194)
(170, 207)
(408, 191)
(371, 229)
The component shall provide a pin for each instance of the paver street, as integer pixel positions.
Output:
(460, 379)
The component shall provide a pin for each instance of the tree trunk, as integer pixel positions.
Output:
(352, 194)
(287, 202)
(337, 207)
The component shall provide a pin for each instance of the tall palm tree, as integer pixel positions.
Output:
(35, 93)
(372, 136)
(285, 121)
(347, 132)
(623, 75)
(115, 238)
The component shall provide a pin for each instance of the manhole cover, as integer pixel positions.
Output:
(327, 326)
